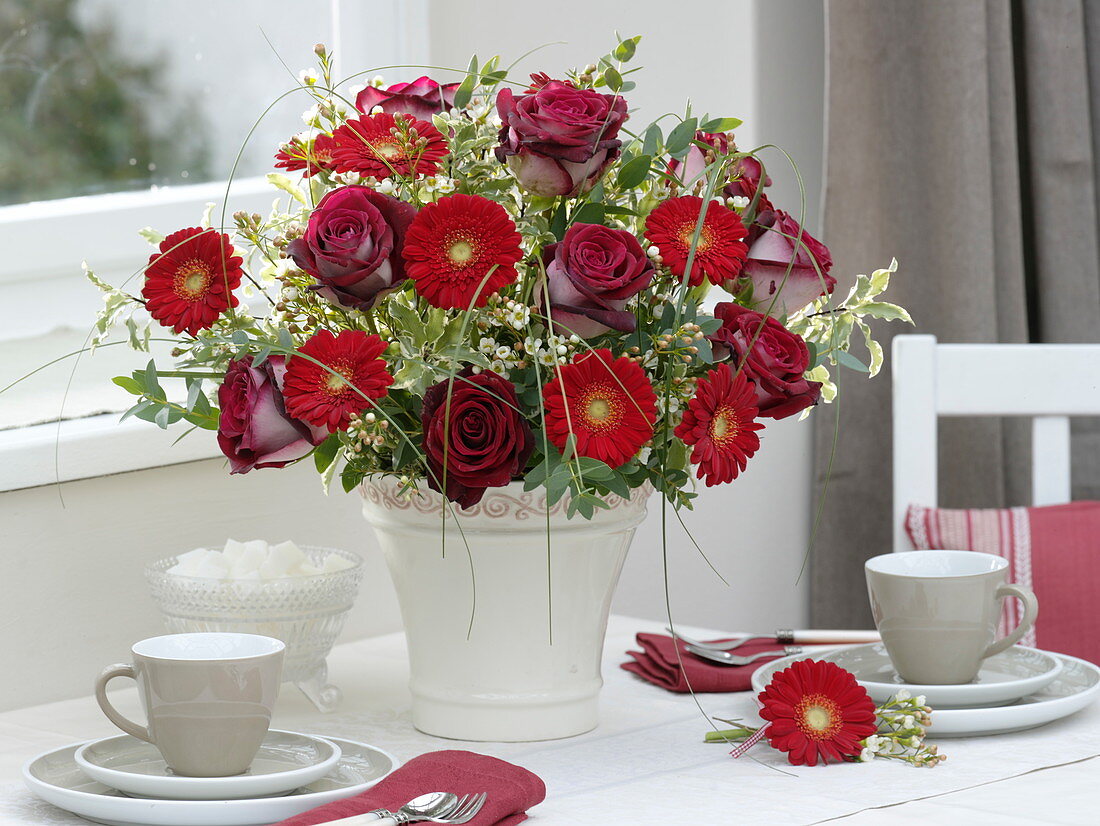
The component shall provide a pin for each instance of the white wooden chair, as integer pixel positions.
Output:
(1048, 382)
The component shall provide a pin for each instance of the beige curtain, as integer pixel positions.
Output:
(961, 137)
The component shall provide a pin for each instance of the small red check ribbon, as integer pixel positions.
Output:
(757, 736)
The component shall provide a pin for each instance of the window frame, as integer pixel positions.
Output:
(46, 241)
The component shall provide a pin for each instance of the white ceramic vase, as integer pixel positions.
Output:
(528, 667)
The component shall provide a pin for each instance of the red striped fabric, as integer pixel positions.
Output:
(1054, 550)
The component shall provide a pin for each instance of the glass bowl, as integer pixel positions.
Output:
(305, 612)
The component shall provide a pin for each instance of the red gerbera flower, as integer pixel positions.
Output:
(606, 402)
(720, 421)
(453, 244)
(312, 156)
(190, 282)
(329, 397)
(817, 709)
(721, 250)
(385, 145)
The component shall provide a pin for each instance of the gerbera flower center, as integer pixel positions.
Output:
(818, 716)
(598, 407)
(335, 384)
(461, 252)
(723, 427)
(388, 150)
(192, 279)
(687, 232)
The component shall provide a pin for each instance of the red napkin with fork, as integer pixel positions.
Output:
(657, 663)
(511, 790)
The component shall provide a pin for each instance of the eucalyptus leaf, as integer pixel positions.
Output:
(721, 125)
(634, 172)
(680, 138)
(846, 359)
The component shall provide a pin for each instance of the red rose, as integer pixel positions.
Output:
(480, 435)
(590, 275)
(558, 139)
(254, 429)
(772, 252)
(352, 245)
(422, 98)
(775, 362)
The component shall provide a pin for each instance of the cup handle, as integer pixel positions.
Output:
(1031, 611)
(128, 726)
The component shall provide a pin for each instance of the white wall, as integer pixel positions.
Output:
(71, 590)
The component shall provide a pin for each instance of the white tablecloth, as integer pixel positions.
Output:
(646, 764)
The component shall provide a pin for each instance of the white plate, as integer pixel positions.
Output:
(1003, 678)
(285, 761)
(1074, 688)
(56, 778)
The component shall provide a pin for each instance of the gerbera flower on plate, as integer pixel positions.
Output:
(453, 244)
(720, 423)
(721, 250)
(607, 402)
(190, 282)
(817, 710)
(384, 145)
(328, 398)
(310, 155)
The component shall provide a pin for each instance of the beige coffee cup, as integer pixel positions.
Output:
(207, 698)
(937, 612)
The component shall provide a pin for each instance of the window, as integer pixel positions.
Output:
(117, 115)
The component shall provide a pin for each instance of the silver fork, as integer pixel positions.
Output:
(464, 811)
(726, 658)
(467, 808)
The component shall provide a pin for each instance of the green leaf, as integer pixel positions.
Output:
(721, 125)
(152, 386)
(851, 362)
(194, 390)
(881, 309)
(613, 79)
(288, 186)
(557, 223)
(465, 89)
(325, 453)
(161, 417)
(705, 354)
(680, 138)
(873, 348)
(618, 485)
(286, 341)
(593, 469)
(350, 479)
(652, 141)
(129, 385)
(151, 235)
(589, 213)
(634, 172)
(626, 49)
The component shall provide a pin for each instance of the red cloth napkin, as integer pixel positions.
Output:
(511, 789)
(1054, 550)
(657, 663)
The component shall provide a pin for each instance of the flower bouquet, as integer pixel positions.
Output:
(488, 288)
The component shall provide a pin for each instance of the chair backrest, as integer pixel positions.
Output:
(1048, 382)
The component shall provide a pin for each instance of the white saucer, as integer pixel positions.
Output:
(285, 761)
(1075, 687)
(1004, 678)
(55, 777)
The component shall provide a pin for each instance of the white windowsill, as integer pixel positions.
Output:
(95, 446)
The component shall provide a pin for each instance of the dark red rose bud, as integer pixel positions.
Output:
(590, 276)
(479, 434)
(421, 98)
(558, 139)
(772, 357)
(352, 246)
(254, 429)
